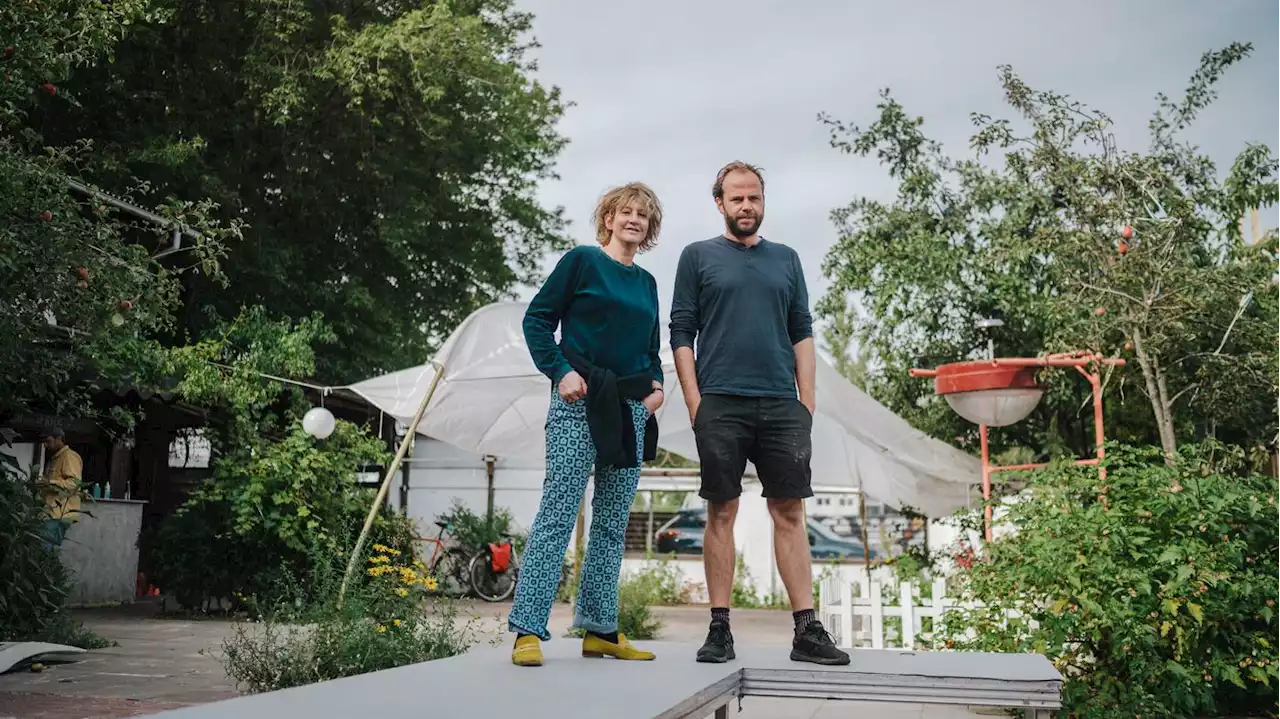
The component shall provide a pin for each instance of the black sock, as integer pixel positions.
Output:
(522, 634)
(720, 614)
(611, 637)
(803, 618)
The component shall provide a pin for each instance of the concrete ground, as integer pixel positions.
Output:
(162, 664)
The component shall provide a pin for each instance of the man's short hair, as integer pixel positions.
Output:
(717, 190)
(618, 197)
(52, 432)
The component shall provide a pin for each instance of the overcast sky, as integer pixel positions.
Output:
(666, 92)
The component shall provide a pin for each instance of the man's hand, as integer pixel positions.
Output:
(654, 401)
(572, 387)
(692, 403)
(809, 404)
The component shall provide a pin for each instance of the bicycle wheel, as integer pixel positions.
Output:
(451, 575)
(489, 585)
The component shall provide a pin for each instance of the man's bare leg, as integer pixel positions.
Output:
(791, 549)
(719, 554)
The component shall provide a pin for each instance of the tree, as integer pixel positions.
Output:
(1078, 245)
(384, 156)
(84, 295)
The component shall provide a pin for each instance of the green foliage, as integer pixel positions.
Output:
(385, 155)
(635, 618)
(34, 584)
(269, 507)
(1030, 228)
(85, 298)
(663, 584)
(305, 637)
(473, 532)
(1154, 592)
(745, 595)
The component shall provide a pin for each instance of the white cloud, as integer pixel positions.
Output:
(667, 92)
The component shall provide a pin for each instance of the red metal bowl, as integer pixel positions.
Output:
(982, 375)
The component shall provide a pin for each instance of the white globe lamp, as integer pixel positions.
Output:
(318, 422)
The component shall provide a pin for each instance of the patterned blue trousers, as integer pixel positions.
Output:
(570, 458)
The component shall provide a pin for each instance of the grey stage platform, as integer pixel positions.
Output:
(484, 683)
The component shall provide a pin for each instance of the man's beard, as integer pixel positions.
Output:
(737, 231)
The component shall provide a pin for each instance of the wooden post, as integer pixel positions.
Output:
(386, 480)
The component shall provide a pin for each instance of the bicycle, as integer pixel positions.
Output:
(448, 565)
(494, 570)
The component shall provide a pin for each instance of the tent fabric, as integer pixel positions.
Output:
(492, 400)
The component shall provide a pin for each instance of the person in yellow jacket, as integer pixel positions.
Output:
(60, 486)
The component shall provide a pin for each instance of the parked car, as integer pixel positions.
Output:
(682, 534)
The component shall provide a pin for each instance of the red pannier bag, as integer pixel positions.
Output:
(501, 557)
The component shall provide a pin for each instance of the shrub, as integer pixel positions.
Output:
(266, 514)
(383, 623)
(635, 618)
(661, 582)
(745, 596)
(1153, 592)
(34, 584)
(473, 532)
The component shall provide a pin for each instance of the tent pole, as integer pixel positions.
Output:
(386, 480)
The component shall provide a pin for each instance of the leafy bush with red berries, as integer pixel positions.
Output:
(1154, 592)
(84, 295)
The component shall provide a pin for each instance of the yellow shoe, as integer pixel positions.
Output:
(527, 652)
(595, 647)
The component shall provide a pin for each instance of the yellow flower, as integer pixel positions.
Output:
(396, 622)
(380, 548)
(430, 584)
(380, 559)
(402, 592)
(382, 629)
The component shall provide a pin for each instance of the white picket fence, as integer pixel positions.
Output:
(854, 610)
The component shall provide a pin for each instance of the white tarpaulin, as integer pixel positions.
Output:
(492, 400)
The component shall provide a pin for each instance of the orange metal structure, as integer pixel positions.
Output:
(1018, 373)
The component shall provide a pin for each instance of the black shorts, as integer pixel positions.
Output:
(774, 433)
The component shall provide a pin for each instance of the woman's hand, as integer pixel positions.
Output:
(572, 387)
(653, 401)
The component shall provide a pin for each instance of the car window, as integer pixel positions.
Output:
(690, 520)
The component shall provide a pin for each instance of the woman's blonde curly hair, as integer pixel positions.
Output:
(618, 197)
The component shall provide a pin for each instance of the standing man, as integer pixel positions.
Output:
(60, 486)
(743, 300)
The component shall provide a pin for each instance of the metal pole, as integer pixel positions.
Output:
(986, 480)
(386, 480)
(1096, 383)
(404, 482)
(489, 462)
(648, 535)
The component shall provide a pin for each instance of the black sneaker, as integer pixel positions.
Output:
(718, 648)
(816, 646)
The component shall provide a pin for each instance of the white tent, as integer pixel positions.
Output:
(492, 400)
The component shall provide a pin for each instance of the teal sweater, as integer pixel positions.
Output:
(607, 312)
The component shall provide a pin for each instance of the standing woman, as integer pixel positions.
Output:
(606, 383)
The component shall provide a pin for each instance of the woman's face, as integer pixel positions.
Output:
(629, 224)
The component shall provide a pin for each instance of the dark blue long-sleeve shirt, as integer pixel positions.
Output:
(745, 308)
(607, 313)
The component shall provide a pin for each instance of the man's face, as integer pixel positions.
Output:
(742, 204)
(53, 444)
